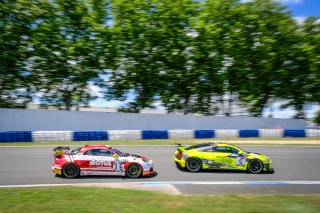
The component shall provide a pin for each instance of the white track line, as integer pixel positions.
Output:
(173, 183)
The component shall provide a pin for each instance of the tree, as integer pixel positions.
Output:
(268, 39)
(317, 118)
(70, 48)
(136, 70)
(17, 19)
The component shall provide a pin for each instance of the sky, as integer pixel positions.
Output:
(300, 10)
(303, 8)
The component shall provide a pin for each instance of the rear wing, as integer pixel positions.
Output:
(60, 150)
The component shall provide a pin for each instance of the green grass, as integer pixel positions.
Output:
(89, 199)
(289, 141)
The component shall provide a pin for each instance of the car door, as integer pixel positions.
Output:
(100, 161)
(231, 158)
(223, 157)
(215, 157)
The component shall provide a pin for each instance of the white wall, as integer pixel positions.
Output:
(53, 120)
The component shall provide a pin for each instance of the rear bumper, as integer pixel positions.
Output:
(180, 162)
(56, 169)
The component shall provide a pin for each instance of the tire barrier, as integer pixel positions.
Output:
(204, 134)
(154, 134)
(249, 133)
(16, 136)
(47, 136)
(90, 136)
(295, 133)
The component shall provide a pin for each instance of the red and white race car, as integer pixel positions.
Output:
(99, 160)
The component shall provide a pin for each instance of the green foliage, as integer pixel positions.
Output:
(68, 48)
(15, 36)
(190, 56)
(317, 118)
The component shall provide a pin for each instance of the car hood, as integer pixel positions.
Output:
(257, 155)
(137, 156)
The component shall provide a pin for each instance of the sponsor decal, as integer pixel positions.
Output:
(101, 163)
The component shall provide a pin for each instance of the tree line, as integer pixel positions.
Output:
(191, 56)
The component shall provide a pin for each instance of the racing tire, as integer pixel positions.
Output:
(133, 171)
(255, 166)
(193, 164)
(71, 170)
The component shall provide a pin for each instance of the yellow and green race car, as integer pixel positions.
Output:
(220, 156)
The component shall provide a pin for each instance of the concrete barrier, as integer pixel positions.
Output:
(270, 133)
(312, 133)
(124, 135)
(44, 136)
(227, 133)
(181, 134)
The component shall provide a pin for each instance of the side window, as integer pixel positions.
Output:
(98, 152)
(226, 149)
(221, 149)
(235, 151)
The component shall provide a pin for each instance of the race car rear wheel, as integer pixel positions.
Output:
(71, 170)
(255, 166)
(133, 171)
(193, 164)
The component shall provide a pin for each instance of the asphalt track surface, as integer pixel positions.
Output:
(32, 165)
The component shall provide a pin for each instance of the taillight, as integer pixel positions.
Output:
(179, 155)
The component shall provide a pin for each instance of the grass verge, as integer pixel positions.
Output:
(243, 141)
(90, 199)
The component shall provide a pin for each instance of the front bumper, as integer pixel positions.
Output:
(148, 173)
(268, 167)
(148, 168)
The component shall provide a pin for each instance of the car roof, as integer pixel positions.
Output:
(95, 146)
(208, 145)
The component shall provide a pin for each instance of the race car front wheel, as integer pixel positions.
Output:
(193, 164)
(255, 166)
(133, 171)
(70, 170)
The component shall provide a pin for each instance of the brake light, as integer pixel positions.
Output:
(179, 155)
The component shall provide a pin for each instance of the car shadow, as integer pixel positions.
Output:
(109, 177)
(220, 171)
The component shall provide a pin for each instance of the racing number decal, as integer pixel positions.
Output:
(241, 161)
(118, 165)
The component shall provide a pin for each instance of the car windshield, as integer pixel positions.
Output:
(118, 152)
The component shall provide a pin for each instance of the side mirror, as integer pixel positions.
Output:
(115, 156)
(242, 154)
(234, 155)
